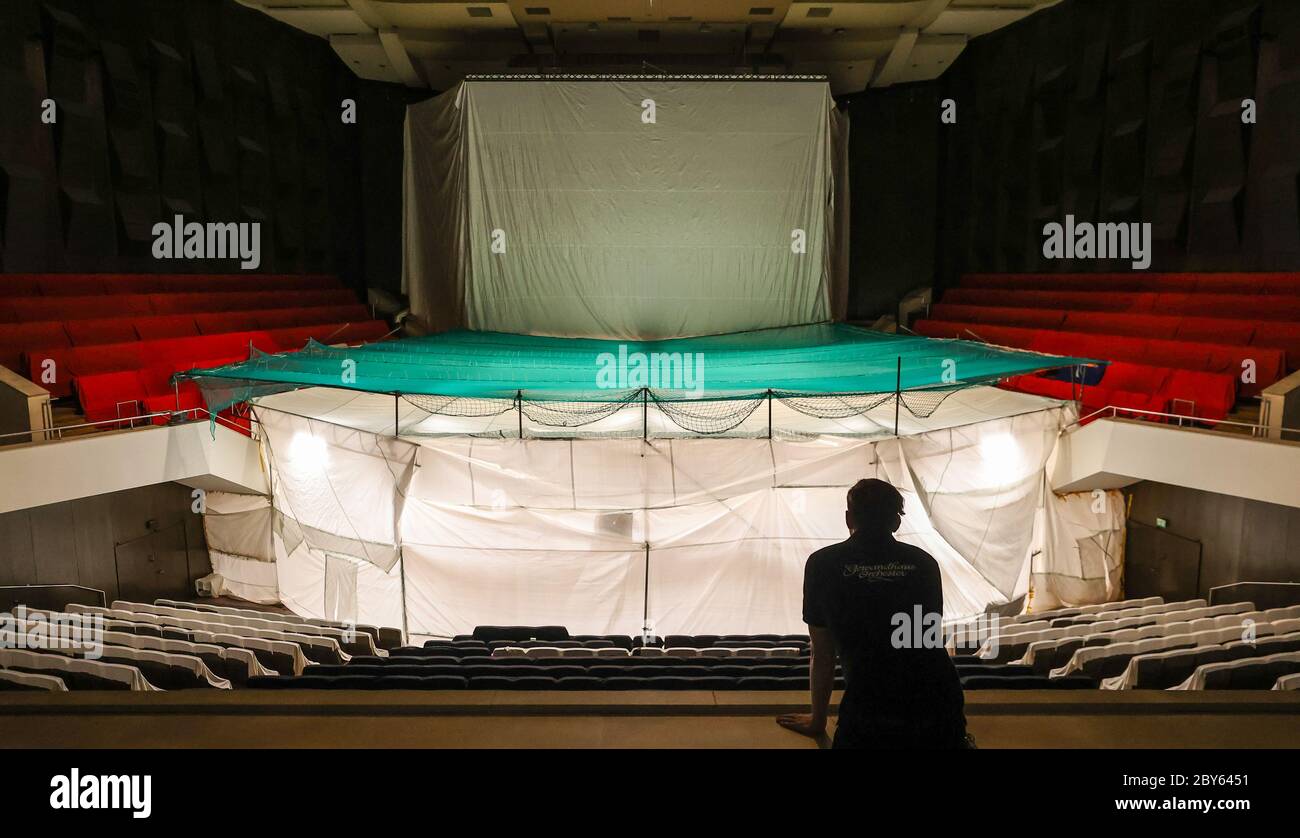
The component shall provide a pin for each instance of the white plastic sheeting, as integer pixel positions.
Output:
(685, 535)
(333, 587)
(1080, 555)
(341, 487)
(597, 208)
(380, 414)
(238, 531)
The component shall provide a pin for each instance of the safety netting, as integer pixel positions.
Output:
(703, 385)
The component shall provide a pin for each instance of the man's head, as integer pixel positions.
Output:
(874, 507)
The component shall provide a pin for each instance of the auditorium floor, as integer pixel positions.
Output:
(198, 719)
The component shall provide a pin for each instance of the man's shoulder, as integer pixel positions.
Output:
(913, 552)
(829, 554)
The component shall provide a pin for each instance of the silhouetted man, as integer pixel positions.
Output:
(861, 600)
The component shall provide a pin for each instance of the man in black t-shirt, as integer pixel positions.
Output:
(876, 604)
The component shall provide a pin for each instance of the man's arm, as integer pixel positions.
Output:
(821, 681)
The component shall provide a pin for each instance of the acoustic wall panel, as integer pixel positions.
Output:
(203, 108)
(1134, 114)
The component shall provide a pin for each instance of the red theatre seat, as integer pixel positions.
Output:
(20, 285)
(288, 317)
(234, 321)
(1028, 318)
(16, 338)
(1012, 336)
(71, 285)
(165, 326)
(110, 395)
(1204, 395)
(1216, 330)
(29, 309)
(1120, 323)
(95, 332)
(1239, 306)
(1282, 336)
(1134, 378)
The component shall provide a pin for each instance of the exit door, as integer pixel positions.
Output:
(154, 565)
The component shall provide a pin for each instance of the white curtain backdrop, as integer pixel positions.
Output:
(560, 207)
(238, 533)
(688, 535)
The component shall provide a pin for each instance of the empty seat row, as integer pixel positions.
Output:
(58, 369)
(1216, 356)
(1212, 283)
(13, 680)
(1014, 644)
(624, 660)
(1273, 307)
(1168, 669)
(505, 682)
(1153, 387)
(1070, 611)
(89, 307)
(63, 285)
(385, 637)
(1046, 655)
(1254, 673)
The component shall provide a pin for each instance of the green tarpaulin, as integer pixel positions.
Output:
(813, 360)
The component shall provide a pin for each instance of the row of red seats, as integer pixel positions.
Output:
(118, 398)
(28, 309)
(64, 285)
(1197, 395)
(1208, 283)
(15, 338)
(1195, 342)
(58, 369)
(1227, 360)
(1092, 398)
(1146, 377)
(1243, 306)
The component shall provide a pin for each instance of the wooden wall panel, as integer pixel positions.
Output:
(77, 542)
(1134, 115)
(203, 108)
(1243, 540)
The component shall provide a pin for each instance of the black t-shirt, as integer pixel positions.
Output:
(882, 600)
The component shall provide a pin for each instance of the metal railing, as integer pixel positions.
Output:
(128, 423)
(1183, 420)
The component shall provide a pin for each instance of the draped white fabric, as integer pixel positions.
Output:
(379, 414)
(341, 487)
(598, 208)
(1080, 556)
(685, 535)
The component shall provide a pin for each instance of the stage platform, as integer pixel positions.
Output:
(459, 719)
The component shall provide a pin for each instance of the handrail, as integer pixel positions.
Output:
(57, 431)
(1257, 429)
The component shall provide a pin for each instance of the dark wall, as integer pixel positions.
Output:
(893, 148)
(105, 542)
(1241, 540)
(203, 108)
(1127, 110)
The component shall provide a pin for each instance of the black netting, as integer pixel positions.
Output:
(456, 406)
(575, 414)
(834, 407)
(923, 403)
(919, 403)
(708, 417)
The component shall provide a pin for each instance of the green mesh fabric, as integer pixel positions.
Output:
(790, 363)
